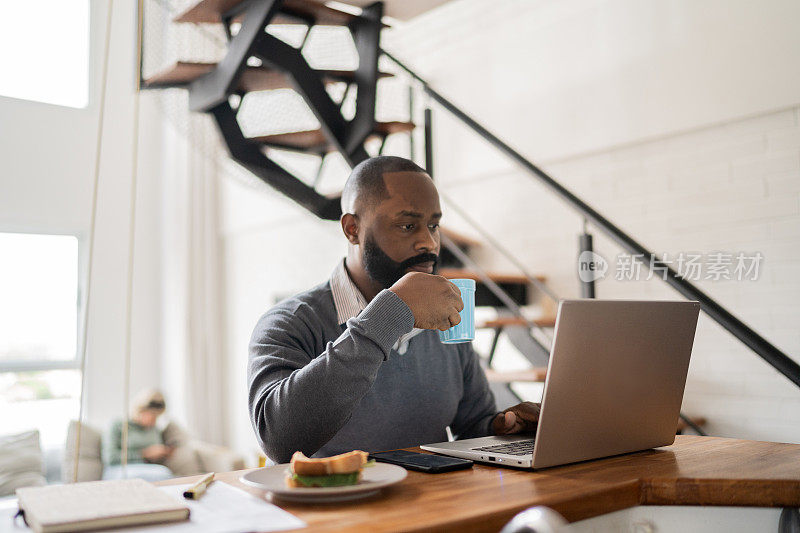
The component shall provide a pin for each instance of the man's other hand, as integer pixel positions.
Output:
(433, 300)
(522, 418)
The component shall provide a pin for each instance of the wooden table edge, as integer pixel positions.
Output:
(603, 498)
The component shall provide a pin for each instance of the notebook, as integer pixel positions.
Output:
(98, 505)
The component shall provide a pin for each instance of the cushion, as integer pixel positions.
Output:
(218, 458)
(184, 460)
(20, 462)
(90, 463)
(174, 435)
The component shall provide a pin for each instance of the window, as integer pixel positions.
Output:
(39, 318)
(45, 400)
(44, 51)
(39, 304)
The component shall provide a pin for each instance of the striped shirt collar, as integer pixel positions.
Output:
(349, 302)
(347, 298)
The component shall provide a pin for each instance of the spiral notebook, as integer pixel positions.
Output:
(98, 505)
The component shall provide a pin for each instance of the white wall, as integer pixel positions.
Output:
(584, 75)
(46, 184)
(679, 121)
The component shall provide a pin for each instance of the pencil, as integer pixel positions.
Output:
(199, 488)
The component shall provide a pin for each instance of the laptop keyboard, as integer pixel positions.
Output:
(523, 447)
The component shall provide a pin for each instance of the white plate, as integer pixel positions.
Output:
(373, 478)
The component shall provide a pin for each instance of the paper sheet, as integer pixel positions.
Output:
(222, 509)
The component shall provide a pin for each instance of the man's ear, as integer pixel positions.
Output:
(349, 223)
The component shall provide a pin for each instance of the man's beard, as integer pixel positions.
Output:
(383, 270)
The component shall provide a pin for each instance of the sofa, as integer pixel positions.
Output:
(190, 457)
(24, 463)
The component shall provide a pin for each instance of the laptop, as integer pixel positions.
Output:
(614, 385)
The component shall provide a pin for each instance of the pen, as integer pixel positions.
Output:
(199, 488)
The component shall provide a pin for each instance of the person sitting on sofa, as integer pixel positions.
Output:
(146, 452)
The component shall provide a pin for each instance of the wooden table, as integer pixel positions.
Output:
(693, 471)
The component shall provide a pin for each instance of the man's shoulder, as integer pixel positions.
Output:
(313, 307)
(315, 298)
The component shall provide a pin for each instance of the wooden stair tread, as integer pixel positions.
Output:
(459, 238)
(178, 73)
(206, 11)
(253, 79)
(210, 11)
(398, 9)
(394, 126)
(532, 375)
(494, 276)
(296, 139)
(544, 322)
(315, 139)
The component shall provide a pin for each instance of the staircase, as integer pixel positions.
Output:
(257, 60)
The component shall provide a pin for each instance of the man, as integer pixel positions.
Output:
(147, 451)
(356, 363)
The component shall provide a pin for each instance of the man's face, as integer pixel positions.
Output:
(402, 233)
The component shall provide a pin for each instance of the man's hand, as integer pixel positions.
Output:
(434, 301)
(156, 453)
(522, 418)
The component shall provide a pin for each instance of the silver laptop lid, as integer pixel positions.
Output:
(616, 378)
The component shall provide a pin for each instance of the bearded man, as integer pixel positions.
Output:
(356, 362)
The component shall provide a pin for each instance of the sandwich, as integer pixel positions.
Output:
(336, 471)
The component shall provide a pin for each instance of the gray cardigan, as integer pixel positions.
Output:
(323, 388)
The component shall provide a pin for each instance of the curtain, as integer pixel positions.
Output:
(192, 365)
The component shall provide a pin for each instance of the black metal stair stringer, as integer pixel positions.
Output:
(210, 94)
(250, 156)
(216, 86)
(310, 86)
(366, 32)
